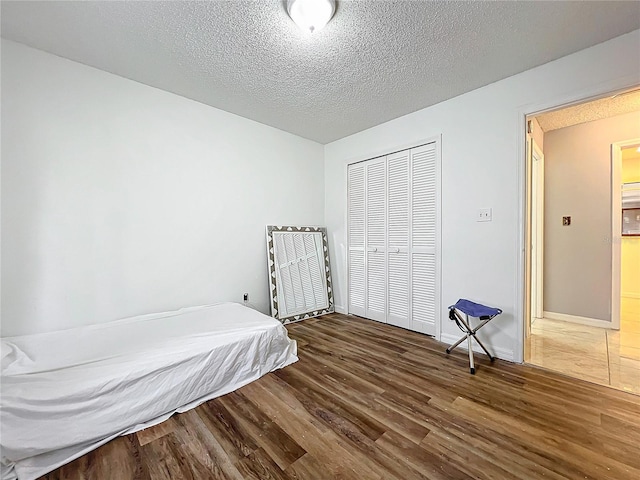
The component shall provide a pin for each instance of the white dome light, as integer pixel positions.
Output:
(311, 15)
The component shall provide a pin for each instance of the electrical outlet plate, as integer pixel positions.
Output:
(484, 215)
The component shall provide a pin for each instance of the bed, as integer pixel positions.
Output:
(65, 393)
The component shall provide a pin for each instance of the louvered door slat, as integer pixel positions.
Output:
(376, 233)
(398, 199)
(301, 282)
(423, 196)
(398, 299)
(356, 205)
(392, 222)
(357, 287)
(423, 293)
(317, 276)
(398, 217)
(302, 261)
(294, 271)
(356, 223)
(375, 203)
(286, 297)
(376, 286)
(423, 239)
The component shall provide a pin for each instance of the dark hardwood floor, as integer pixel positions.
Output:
(369, 401)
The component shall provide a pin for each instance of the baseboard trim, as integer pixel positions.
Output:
(590, 322)
(630, 295)
(501, 353)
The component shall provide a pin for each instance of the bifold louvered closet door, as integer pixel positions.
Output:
(392, 220)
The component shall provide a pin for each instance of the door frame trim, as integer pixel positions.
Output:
(538, 234)
(521, 113)
(616, 227)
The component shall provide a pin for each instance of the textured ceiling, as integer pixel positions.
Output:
(375, 61)
(590, 111)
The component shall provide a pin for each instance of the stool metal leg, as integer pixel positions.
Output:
(452, 347)
(491, 357)
(469, 335)
(472, 367)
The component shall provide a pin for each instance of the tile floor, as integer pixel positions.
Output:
(607, 357)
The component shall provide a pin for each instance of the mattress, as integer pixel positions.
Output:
(65, 393)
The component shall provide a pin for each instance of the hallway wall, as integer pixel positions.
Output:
(577, 263)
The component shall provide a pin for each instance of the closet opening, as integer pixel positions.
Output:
(393, 232)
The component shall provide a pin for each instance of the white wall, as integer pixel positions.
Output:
(120, 199)
(577, 258)
(482, 156)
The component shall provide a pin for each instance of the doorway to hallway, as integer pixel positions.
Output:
(574, 325)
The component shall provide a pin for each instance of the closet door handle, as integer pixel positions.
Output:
(396, 250)
(373, 249)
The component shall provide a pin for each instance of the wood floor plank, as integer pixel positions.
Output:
(167, 459)
(258, 465)
(304, 383)
(470, 455)
(321, 443)
(282, 403)
(153, 433)
(370, 401)
(271, 438)
(431, 464)
(356, 403)
(384, 373)
(308, 467)
(200, 442)
(121, 458)
(614, 424)
(579, 461)
(236, 441)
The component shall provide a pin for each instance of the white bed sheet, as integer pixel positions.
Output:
(65, 393)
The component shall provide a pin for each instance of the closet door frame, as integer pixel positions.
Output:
(438, 257)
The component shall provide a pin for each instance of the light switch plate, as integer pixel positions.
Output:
(484, 215)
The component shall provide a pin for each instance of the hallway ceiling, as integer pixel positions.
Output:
(590, 111)
(375, 61)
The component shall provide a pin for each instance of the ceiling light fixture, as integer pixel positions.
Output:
(311, 15)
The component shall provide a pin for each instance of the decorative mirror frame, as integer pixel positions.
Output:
(273, 287)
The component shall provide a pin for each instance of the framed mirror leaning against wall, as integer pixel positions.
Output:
(299, 274)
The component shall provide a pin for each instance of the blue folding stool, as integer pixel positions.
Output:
(471, 309)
